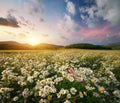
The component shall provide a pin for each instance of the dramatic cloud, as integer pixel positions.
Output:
(70, 7)
(109, 10)
(88, 15)
(60, 21)
(106, 9)
(9, 21)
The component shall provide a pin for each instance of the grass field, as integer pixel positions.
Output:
(60, 76)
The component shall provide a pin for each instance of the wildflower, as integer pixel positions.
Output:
(49, 97)
(95, 94)
(43, 101)
(15, 98)
(30, 79)
(94, 80)
(67, 101)
(70, 78)
(85, 94)
(71, 71)
(68, 96)
(58, 95)
(81, 94)
(101, 89)
(35, 74)
(41, 93)
(117, 93)
(73, 90)
(25, 93)
(62, 91)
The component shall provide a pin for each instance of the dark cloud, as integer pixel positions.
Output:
(9, 21)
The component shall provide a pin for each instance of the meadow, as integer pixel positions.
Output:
(60, 76)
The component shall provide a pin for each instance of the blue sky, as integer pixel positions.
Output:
(60, 21)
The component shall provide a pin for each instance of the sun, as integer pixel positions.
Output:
(33, 41)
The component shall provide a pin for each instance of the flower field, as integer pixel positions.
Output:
(60, 76)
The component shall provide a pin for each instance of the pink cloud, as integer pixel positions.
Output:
(95, 33)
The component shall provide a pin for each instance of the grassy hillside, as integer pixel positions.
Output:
(86, 46)
(46, 46)
(12, 45)
(114, 45)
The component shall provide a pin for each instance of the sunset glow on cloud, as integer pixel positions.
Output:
(60, 21)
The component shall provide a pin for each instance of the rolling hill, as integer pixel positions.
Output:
(87, 46)
(114, 45)
(12, 45)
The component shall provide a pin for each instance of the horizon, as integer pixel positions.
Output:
(54, 43)
(60, 22)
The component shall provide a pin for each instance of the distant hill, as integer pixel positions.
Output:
(114, 45)
(87, 46)
(12, 45)
(47, 46)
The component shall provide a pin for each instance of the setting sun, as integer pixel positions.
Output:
(33, 41)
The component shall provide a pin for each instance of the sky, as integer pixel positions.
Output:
(60, 22)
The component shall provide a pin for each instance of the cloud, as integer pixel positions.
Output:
(70, 7)
(10, 11)
(67, 24)
(41, 20)
(109, 10)
(34, 7)
(10, 33)
(111, 39)
(63, 37)
(26, 23)
(45, 35)
(36, 1)
(9, 21)
(21, 35)
(88, 16)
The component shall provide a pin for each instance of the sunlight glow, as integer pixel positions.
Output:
(33, 41)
